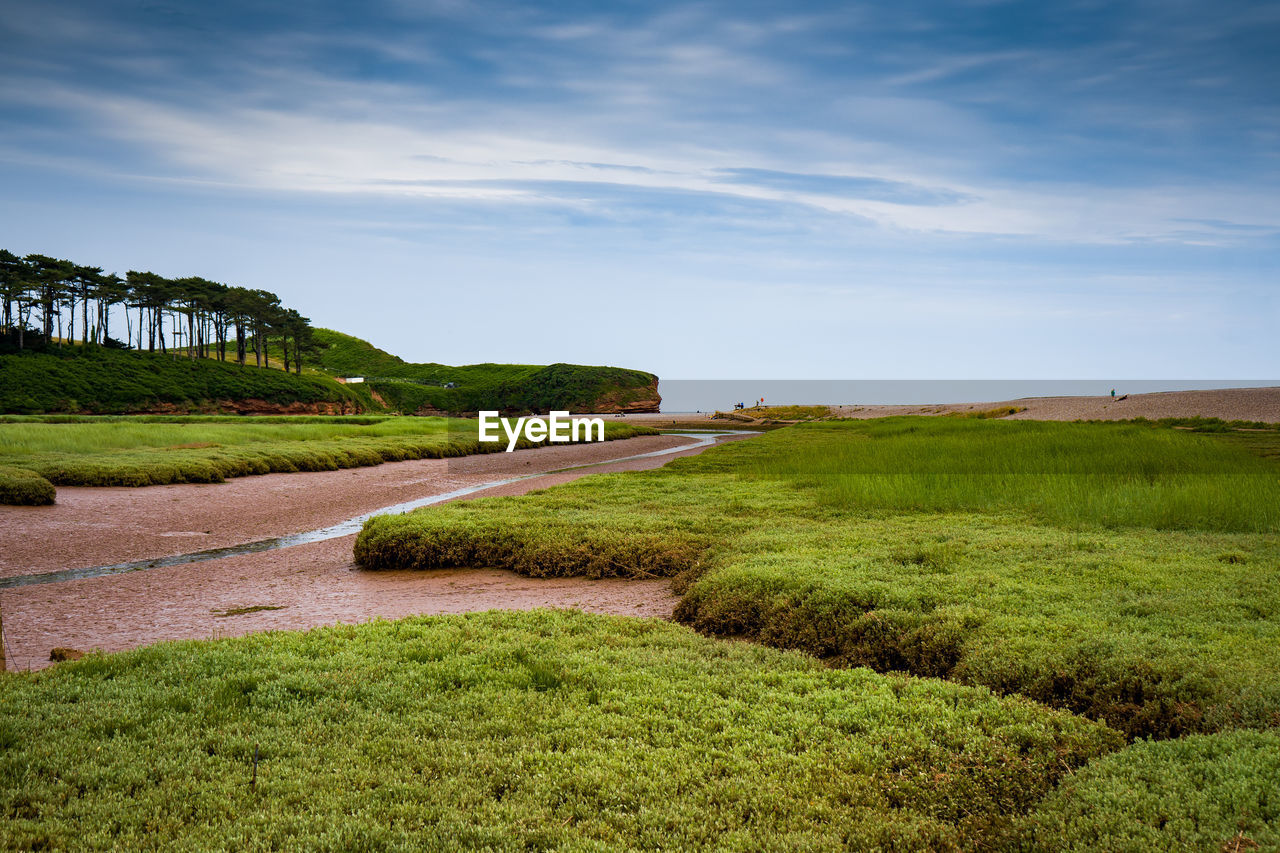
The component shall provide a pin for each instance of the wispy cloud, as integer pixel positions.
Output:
(845, 186)
(1067, 139)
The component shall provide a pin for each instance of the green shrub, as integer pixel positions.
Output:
(1205, 792)
(554, 547)
(20, 487)
(511, 731)
(1149, 629)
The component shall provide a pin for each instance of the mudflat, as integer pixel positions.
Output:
(91, 526)
(291, 588)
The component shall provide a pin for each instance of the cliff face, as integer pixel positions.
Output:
(631, 400)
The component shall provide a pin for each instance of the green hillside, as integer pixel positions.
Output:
(99, 380)
(411, 388)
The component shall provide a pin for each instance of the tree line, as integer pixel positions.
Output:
(189, 316)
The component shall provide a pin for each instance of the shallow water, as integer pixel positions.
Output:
(343, 528)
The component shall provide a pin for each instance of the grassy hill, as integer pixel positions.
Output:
(411, 388)
(98, 380)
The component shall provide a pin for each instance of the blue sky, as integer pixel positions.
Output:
(766, 190)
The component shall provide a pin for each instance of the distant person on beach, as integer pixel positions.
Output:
(1113, 393)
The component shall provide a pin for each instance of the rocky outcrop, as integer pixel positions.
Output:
(634, 400)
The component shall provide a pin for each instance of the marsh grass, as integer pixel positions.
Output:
(128, 452)
(1117, 475)
(513, 731)
(1149, 628)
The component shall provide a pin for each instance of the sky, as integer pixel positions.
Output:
(801, 190)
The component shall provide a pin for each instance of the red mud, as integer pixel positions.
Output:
(313, 584)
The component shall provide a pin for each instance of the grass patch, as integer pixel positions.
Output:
(1143, 626)
(787, 413)
(514, 731)
(1198, 424)
(241, 611)
(1066, 473)
(988, 414)
(761, 416)
(1264, 444)
(22, 487)
(156, 451)
(1205, 792)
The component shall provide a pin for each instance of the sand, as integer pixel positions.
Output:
(1244, 404)
(313, 584)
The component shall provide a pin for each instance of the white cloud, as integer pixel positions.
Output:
(381, 139)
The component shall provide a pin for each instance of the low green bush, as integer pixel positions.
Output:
(555, 546)
(1206, 792)
(1149, 629)
(20, 487)
(514, 731)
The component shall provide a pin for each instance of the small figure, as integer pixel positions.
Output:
(1113, 393)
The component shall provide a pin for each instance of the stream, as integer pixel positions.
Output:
(343, 528)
